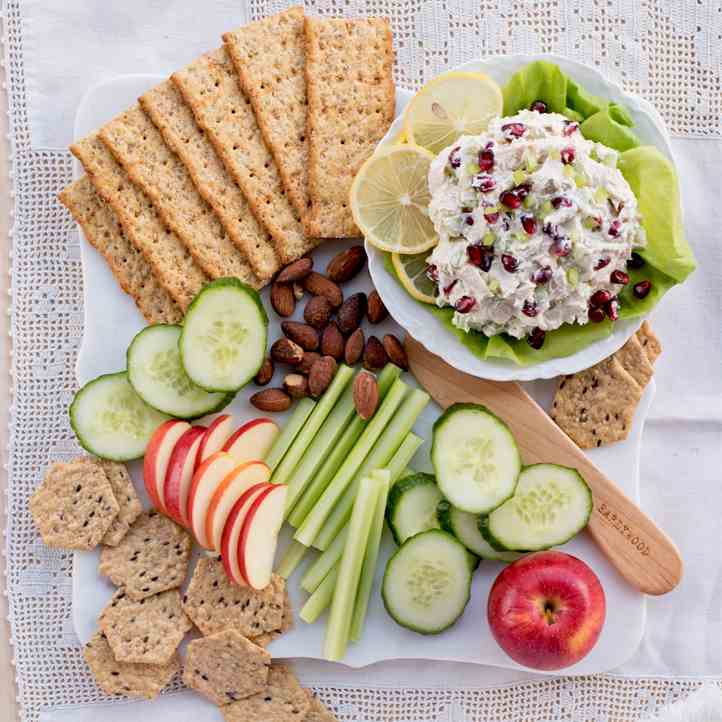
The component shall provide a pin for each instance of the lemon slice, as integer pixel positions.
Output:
(411, 271)
(390, 197)
(449, 106)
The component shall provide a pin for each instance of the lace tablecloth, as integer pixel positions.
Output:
(668, 52)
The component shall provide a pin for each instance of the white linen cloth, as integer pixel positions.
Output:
(667, 51)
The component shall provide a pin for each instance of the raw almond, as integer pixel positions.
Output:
(282, 299)
(374, 355)
(272, 400)
(265, 373)
(301, 333)
(365, 395)
(376, 311)
(332, 342)
(345, 265)
(318, 285)
(354, 347)
(285, 351)
(317, 312)
(309, 359)
(395, 351)
(351, 313)
(296, 271)
(296, 385)
(321, 375)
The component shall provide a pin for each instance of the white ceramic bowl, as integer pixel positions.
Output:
(429, 330)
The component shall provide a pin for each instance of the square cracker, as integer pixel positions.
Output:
(129, 504)
(351, 104)
(635, 362)
(596, 406)
(131, 680)
(172, 116)
(210, 87)
(269, 58)
(283, 700)
(214, 603)
(144, 632)
(318, 712)
(225, 667)
(74, 505)
(152, 557)
(650, 343)
(139, 147)
(103, 231)
(172, 264)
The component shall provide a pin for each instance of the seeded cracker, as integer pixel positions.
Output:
(650, 343)
(172, 116)
(132, 680)
(129, 504)
(596, 406)
(152, 557)
(318, 711)
(214, 603)
(263, 640)
(635, 362)
(103, 231)
(74, 506)
(284, 700)
(351, 104)
(210, 87)
(277, 91)
(225, 667)
(172, 265)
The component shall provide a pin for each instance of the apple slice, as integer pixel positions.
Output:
(206, 480)
(259, 536)
(157, 456)
(215, 437)
(252, 440)
(232, 531)
(179, 476)
(227, 493)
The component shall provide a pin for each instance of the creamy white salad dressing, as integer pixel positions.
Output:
(533, 266)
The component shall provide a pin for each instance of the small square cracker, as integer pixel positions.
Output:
(351, 105)
(214, 603)
(132, 680)
(74, 505)
(144, 632)
(226, 667)
(129, 504)
(283, 700)
(152, 557)
(635, 362)
(650, 343)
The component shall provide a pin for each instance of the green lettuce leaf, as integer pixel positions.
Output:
(537, 81)
(605, 127)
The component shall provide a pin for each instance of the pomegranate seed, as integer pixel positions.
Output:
(539, 105)
(469, 221)
(568, 155)
(536, 338)
(561, 201)
(570, 127)
(636, 261)
(509, 262)
(450, 287)
(612, 309)
(491, 218)
(432, 272)
(596, 314)
(529, 309)
(483, 183)
(599, 298)
(465, 304)
(474, 253)
(513, 130)
(454, 160)
(619, 277)
(486, 160)
(522, 190)
(528, 223)
(641, 289)
(510, 199)
(560, 247)
(601, 263)
(614, 228)
(542, 275)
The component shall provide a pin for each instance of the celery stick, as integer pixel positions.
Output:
(334, 460)
(291, 559)
(402, 456)
(321, 598)
(346, 474)
(298, 418)
(349, 570)
(372, 556)
(380, 455)
(318, 571)
(282, 473)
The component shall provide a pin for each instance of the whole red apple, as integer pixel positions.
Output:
(546, 610)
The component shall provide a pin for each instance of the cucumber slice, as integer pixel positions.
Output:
(465, 527)
(111, 420)
(551, 505)
(223, 343)
(475, 458)
(411, 507)
(158, 377)
(427, 582)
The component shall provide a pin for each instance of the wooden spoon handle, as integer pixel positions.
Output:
(642, 553)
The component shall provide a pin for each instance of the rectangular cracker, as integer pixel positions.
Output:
(103, 231)
(635, 362)
(210, 87)
(139, 147)
(172, 264)
(269, 58)
(351, 104)
(130, 507)
(650, 343)
(174, 119)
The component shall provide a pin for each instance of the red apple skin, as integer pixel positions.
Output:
(173, 476)
(546, 610)
(202, 449)
(149, 461)
(242, 539)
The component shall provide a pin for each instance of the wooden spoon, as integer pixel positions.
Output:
(642, 553)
